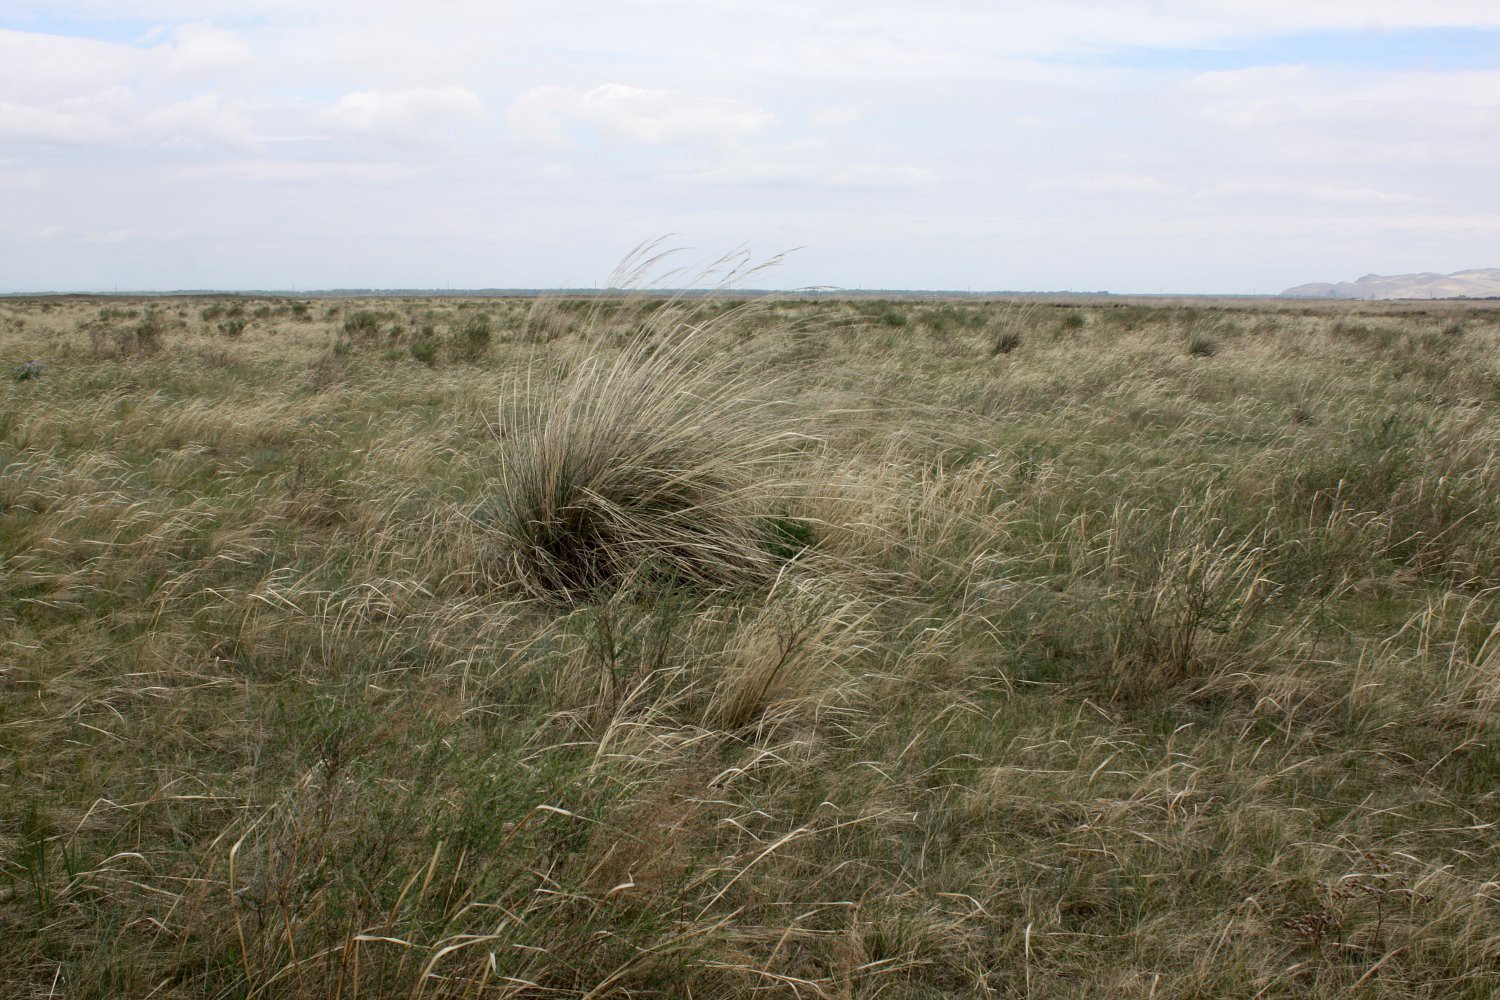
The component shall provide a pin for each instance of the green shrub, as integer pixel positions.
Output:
(424, 351)
(144, 338)
(471, 340)
(363, 325)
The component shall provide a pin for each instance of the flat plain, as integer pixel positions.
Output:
(804, 647)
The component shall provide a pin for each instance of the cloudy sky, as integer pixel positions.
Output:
(1124, 145)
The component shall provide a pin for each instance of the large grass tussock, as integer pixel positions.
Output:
(659, 460)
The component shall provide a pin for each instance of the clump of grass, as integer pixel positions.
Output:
(1013, 320)
(363, 325)
(661, 461)
(1201, 344)
(424, 346)
(1006, 340)
(549, 320)
(1195, 594)
(891, 316)
(142, 339)
(471, 339)
(330, 367)
(780, 652)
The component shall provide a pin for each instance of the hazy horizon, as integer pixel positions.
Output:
(1134, 148)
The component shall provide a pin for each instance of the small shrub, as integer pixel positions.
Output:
(28, 371)
(470, 341)
(233, 328)
(1353, 915)
(424, 346)
(1073, 321)
(144, 338)
(363, 325)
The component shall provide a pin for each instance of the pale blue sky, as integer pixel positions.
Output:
(1127, 145)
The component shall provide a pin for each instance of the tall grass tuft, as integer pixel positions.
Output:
(471, 339)
(1201, 344)
(660, 461)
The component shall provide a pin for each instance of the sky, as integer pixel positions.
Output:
(1194, 146)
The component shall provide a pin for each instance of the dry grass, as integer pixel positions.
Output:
(662, 460)
(814, 649)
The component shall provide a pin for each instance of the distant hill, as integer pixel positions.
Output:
(1479, 283)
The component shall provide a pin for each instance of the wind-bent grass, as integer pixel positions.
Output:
(856, 659)
(664, 459)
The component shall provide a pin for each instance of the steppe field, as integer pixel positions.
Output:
(801, 647)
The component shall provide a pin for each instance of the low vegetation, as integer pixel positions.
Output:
(806, 647)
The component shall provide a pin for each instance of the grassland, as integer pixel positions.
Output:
(908, 649)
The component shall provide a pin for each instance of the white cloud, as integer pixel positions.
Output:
(863, 127)
(837, 115)
(79, 121)
(115, 116)
(37, 69)
(1273, 96)
(408, 118)
(202, 51)
(300, 172)
(1326, 194)
(207, 119)
(1353, 121)
(805, 173)
(1109, 185)
(117, 237)
(541, 115)
(64, 91)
